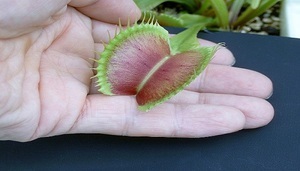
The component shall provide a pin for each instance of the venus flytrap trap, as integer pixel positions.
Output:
(144, 61)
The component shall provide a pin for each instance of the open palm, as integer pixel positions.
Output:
(46, 90)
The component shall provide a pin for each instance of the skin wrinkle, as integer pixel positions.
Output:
(61, 124)
(218, 121)
(9, 82)
(245, 105)
(129, 114)
(66, 69)
(57, 123)
(31, 74)
(201, 82)
(82, 114)
(68, 72)
(202, 98)
(3, 96)
(5, 57)
(103, 115)
(177, 108)
(17, 123)
(259, 117)
(10, 63)
(25, 20)
(15, 116)
(85, 113)
(81, 4)
(60, 119)
(37, 132)
(6, 104)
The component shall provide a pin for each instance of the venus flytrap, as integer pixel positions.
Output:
(144, 61)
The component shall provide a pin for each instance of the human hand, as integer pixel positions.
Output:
(46, 90)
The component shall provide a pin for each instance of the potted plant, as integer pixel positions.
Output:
(213, 14)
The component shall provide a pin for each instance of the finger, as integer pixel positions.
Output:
(117, 115)
(223, 56)
(258, 112)
(110, 11)
(231, 80)
(102, 32)
(221, 79)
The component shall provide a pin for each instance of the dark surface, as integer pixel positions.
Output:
(273, 147)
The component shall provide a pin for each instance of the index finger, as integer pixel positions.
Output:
(109, 11)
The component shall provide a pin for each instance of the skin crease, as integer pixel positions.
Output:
(46, 49)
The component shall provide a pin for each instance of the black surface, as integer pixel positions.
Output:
(273, 147)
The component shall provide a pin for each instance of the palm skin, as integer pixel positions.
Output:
(46, 89)
(52, 73)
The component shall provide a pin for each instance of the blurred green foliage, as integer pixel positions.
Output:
(213, 14)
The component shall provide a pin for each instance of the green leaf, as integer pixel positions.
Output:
(221, 11)
(148, 5)
(163, 19)
(204, 6)
(235, 10)
(169, 20)
(188, 20)
(254, 3)
(185, 20)
(250, 13)
(186, 40)
(145, 5)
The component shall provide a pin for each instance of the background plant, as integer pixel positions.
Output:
(213, 14)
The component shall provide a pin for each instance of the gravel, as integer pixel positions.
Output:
(266, 24)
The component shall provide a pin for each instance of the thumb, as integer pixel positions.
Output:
(109, 11)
